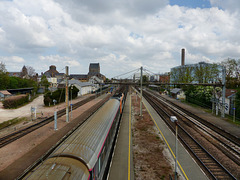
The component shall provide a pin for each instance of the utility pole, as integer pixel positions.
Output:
(213, 100)
(223, 90)
(234, 109)
(66, 96)
(141, 93)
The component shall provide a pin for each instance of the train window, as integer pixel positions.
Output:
(94, 173)
(103, 153)
(99, 165)
(108, 138)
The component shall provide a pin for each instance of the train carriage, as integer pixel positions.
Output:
(85, 154)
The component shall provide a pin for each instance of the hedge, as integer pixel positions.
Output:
(15, 101)
(59, 96)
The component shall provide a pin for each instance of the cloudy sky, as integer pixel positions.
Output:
(122, 35)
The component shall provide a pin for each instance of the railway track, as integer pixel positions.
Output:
(84, 117)
(213, 168)
(184, 112)
(228, 143)
(20, 133)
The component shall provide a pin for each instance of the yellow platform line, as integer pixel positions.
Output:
(166, 142)
(129, 138)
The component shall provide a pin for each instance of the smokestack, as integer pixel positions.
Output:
(183, 57)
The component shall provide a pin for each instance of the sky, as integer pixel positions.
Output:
(121, 35)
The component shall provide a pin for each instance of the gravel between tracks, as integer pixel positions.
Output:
(151, 157)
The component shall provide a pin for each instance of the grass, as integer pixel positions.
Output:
(12, 122)
(227, 117)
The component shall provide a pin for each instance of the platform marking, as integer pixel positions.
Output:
(129, 138)
(166, 142)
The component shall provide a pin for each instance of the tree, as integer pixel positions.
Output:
(145, 78)
(199, 73)
(31, 71)
(231, 68)
(232, 72)
(4, 79)
(44, 82)
(2, 67)
(188, 75)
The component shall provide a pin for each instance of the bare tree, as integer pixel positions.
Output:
(2, 67)
(31, 71)
(231, 67)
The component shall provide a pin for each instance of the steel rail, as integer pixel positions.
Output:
(212, 171)
(228, 143)
(20, 133)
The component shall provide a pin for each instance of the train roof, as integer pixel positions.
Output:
(60, 168)
(78, 154)
(87, 141)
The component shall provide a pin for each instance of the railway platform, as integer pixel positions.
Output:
(122, 162)
(187, 167)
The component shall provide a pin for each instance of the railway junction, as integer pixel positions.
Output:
(122, 164)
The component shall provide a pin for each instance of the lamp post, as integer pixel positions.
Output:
(71, 99)
(175, 120)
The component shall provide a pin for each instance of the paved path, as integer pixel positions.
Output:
(122, 162)
(7, 114)
(25, 111)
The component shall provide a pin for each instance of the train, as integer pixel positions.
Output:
(85, 153)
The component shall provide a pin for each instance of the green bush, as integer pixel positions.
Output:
(59, 96)
(15, 101)
(199, 95)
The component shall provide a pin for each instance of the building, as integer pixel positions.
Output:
(80, 77)
(95, 80)
(4, 94)
(53, 76)
(136, 76)
(177, 93)
(229, 101)
(23, 74)
(94, 70)
(51, 72)
(196, 73)
(14, 74)
(83, 87)
(164, 78)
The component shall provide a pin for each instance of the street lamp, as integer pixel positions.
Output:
(71, 99)
(175, 120)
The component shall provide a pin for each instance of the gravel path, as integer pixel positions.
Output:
(25, 111)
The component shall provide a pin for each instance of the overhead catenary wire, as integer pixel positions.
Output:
(135, 70)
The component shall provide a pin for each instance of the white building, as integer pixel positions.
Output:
(83, 87)
(137, 76)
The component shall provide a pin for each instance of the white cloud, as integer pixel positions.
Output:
(12, 59)
(121, 35)
(230, 5)
(13, 63)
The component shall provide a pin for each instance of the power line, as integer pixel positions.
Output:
(150, 72)
(127, 73)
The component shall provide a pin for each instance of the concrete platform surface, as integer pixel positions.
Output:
(122, 162)
(189, 168)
